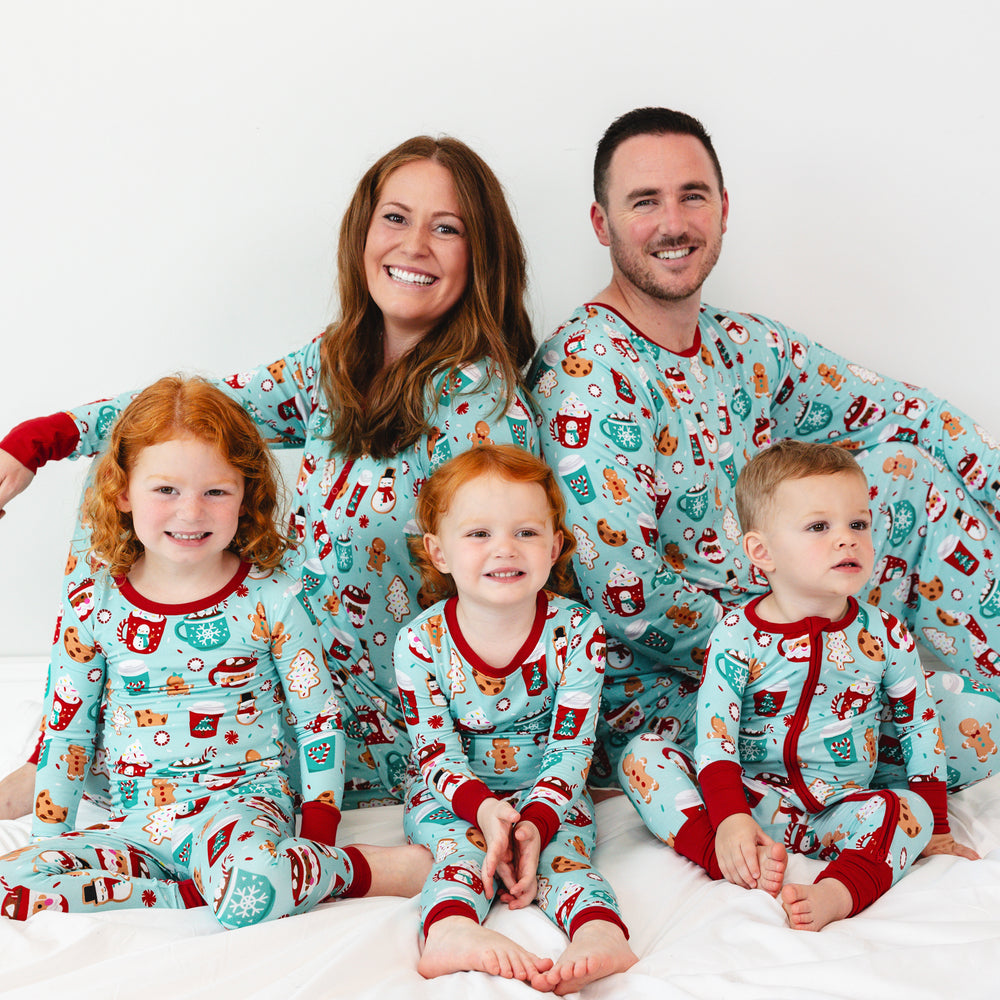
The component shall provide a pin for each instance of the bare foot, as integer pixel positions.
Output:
(396, 871)
(812, 907)
(598, 949)
(773, 859)
(17, 792)
(459, 944)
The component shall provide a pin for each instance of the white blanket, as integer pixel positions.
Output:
(936, 934)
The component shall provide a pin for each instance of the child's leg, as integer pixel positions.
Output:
(251, 868)
(932, 573)
(872, 838)
(453, 904)
(79, 871)
(968, 710)
(658, 776)
(576, 897)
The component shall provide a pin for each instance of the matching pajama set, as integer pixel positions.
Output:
(788, 724)
(524, 732)
(648, 445)
(352, 518)
(191, 701)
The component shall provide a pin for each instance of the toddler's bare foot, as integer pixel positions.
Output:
(459, 944)
(812, 907)
(396, 871)
(773, 859)
(598, 949)
(17, 792)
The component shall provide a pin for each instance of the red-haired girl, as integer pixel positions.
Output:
(200, 645)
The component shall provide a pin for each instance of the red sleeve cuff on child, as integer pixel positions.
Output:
(41, 440)
(543, 818)
(935, 794)
(722, 790)
(469, 796)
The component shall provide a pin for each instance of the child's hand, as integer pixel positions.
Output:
(945, 843)
(496, 819)
(522, 886)
(736, 848)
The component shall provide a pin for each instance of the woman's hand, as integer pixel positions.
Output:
(14, 478)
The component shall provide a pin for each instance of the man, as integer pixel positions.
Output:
(653, 402)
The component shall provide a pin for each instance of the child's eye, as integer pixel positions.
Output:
(860, 525)
(217, 492)
(479, 533)
(817, 526)
(165, 490)
(527, 533)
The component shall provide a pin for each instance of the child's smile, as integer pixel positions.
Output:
(185, 500)
(497, 541)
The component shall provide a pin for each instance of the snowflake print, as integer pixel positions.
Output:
(379, 638)
(594, 390)
(104, 616)
(208, 634)
(251, 898)
(148, 897)
(435, 722)
(161, 737)
(232, 737)
(196, 664)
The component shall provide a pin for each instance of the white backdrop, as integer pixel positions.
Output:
(173, 175)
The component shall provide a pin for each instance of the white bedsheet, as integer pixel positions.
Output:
(935, 935)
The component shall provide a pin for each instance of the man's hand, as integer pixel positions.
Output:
(523, 886)
(496, 819)
(736, 848)
(945, 843)
(14, 478)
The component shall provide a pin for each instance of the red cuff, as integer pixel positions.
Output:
(41, 440)
(319, 822)
(33, 759)
(544, 819)
(935, 794)
(722, 790)
(469, 796)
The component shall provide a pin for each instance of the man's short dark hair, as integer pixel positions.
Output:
(647, 121)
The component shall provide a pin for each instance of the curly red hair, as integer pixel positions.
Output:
(504, 461)
(178, 407)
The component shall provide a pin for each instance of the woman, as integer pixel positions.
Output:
(423, 363)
